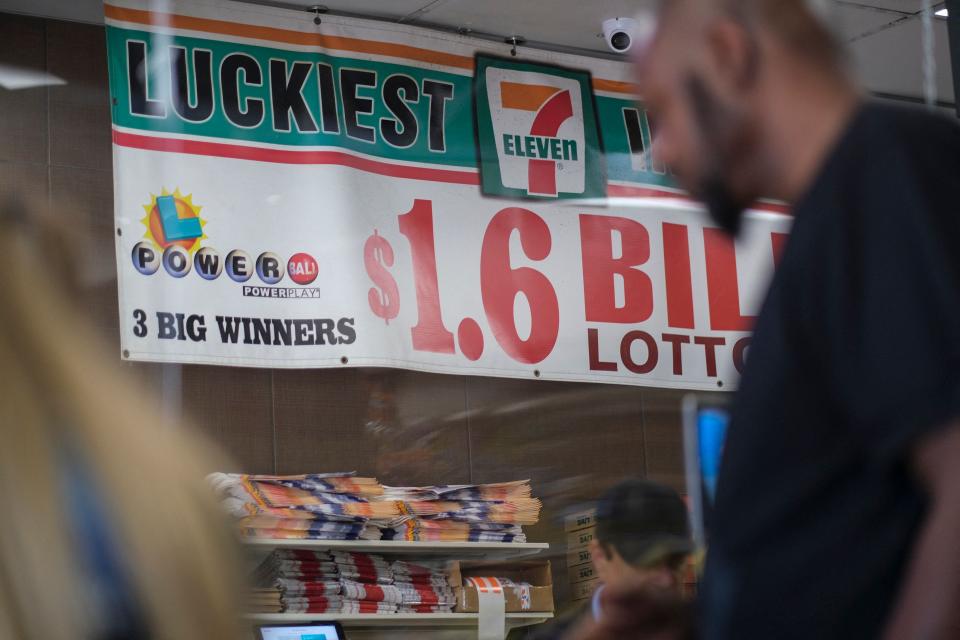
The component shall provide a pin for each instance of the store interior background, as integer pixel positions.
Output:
(572, 440)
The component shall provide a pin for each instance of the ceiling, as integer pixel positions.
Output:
(884, 35)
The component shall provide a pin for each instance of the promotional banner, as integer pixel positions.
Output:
(361, 193)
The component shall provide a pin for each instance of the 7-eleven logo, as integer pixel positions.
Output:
(551, 107)
(535, 138)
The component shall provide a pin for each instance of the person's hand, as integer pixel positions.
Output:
(635, 610)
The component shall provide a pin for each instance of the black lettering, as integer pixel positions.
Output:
(281, 332)
(166, 329)
(401, 132)
(639, 132)
(249, 112)
(261, 331)
(208, 263)
(328, 99)
(271, 268)
(655, 163)
(286, 95)
(631, 121)
(140, 328)
(247, 339)
(303, 335)
(176, 262)
(229, 329)
(238, 264)
(140, 104)
(348, 333)
(202, 106)
(196, 328)
(439, 93)
(353, 104)
(145, 255)
(181, 331)
(325, 333)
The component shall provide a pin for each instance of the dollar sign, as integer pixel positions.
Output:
(384, 297)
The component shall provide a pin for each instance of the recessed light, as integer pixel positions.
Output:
(943, 13)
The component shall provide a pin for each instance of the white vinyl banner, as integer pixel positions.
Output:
(369, 194)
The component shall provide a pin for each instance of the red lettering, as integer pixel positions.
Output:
(593, 347)
(710, 353)
(779, 242)
(723, 292)
(500, 284)
(652, 355)
(677, 341)
(679, 281)
(429, 334)
(600, 267)
(740, 353)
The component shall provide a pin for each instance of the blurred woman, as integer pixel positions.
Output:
(108, 529)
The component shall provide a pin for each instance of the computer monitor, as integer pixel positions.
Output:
(308, 631)
(705, 422)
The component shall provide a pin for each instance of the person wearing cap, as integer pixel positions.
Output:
(643, 537)
(642, 541)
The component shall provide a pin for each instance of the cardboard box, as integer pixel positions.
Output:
(578, 556)
(580, 520)
(580, 538)
(583, 590)
(534, 572)
(582, 573)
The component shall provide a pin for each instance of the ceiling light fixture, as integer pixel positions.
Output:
(943, 13)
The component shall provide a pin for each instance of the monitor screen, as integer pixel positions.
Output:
(704, 434)
(320, 631)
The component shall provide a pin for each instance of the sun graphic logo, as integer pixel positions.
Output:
(174, 230)
(537, 130)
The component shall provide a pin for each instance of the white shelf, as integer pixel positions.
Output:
(460, 550)
(397, 620)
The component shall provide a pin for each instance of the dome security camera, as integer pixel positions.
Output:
(618, 32)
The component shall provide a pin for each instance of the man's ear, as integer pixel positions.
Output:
(598, 554)
(733, 55)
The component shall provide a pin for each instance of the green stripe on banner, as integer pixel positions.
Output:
(409, 113)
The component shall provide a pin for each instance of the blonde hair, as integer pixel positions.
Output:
(65, 407)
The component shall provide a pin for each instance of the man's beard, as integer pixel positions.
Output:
(724, 207)
(713, 188)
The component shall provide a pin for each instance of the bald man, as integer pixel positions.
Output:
(838, 507)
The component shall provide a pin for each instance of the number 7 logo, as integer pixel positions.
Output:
(553, 107)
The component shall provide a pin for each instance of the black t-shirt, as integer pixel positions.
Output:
(855, 357)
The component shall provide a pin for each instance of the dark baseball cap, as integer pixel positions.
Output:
(646, 522)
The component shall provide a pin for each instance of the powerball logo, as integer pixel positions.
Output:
(537, 131)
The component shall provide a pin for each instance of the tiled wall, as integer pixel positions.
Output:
(572, 440)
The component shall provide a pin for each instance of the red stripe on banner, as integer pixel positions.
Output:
(292, 156)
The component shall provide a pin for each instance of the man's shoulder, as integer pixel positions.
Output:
(915, 129)
(895, 157)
